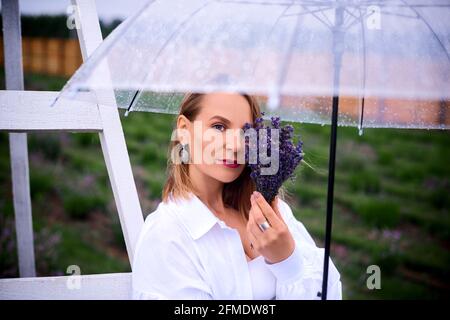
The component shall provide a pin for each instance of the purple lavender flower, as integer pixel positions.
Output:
(258, 150)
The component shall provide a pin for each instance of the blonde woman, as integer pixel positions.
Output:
(213, 236)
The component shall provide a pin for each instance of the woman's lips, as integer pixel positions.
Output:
(230, 165)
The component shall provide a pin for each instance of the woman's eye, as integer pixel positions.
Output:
(219, 127)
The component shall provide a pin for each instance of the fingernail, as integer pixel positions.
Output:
(256, 195)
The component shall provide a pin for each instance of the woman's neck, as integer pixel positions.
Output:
(209, 189)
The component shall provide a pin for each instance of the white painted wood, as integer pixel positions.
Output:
(12, 44)
(22, 204)
(91, 287)
(18, 141)
(112, 138)
(31, 111)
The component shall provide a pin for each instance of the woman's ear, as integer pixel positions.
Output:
(182, 122)
(183, 129)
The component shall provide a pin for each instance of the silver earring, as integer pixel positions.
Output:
(184, 153)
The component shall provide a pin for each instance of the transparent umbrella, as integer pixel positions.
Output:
(356, 63)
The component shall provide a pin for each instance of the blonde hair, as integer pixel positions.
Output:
(235, 194)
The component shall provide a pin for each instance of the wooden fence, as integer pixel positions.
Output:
(52, 56)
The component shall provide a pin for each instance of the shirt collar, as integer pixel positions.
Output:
(195, 215)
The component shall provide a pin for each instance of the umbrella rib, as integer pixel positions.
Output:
(270, 33)
(326, 24)
(287, 56)
(302, 3)
(386, 3)
(259, 2)
(282, 15)
(125, 26)
(429, 27)
(400, 15)
(387, 12)
(306, 12)
(120, 30)
(420, 5)
(325, 16)
(357, 19)
(138, 92)
(349, 15)
(363, 35)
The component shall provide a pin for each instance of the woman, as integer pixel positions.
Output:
(212, 236)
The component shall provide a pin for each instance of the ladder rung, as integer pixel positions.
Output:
(22, 111)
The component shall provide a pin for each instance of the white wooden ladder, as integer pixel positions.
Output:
(29, 111)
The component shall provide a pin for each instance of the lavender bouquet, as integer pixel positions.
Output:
(275, 145)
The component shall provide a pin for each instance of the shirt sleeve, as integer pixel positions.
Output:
(164, 267)
(299, 276)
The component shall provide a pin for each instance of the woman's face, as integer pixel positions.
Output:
(216, 135)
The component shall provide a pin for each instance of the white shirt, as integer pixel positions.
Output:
(264, 283)
(185, 252)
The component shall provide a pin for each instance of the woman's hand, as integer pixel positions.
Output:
(275, 243)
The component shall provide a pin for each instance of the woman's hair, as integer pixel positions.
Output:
(236, 194)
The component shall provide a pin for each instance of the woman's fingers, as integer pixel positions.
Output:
(275, 208)
(274, 243)
(267, 210)
(253, 232)
(257, 213)
(253, 224)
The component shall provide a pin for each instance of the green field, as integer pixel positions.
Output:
(391, 209)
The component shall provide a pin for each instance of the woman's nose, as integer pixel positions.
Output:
(236, 143)
(239, 140)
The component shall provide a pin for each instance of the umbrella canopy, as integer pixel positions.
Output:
(394, 58)
(364, 63)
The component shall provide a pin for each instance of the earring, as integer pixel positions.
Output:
(184, 153)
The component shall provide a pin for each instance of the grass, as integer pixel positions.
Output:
(391, 206)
